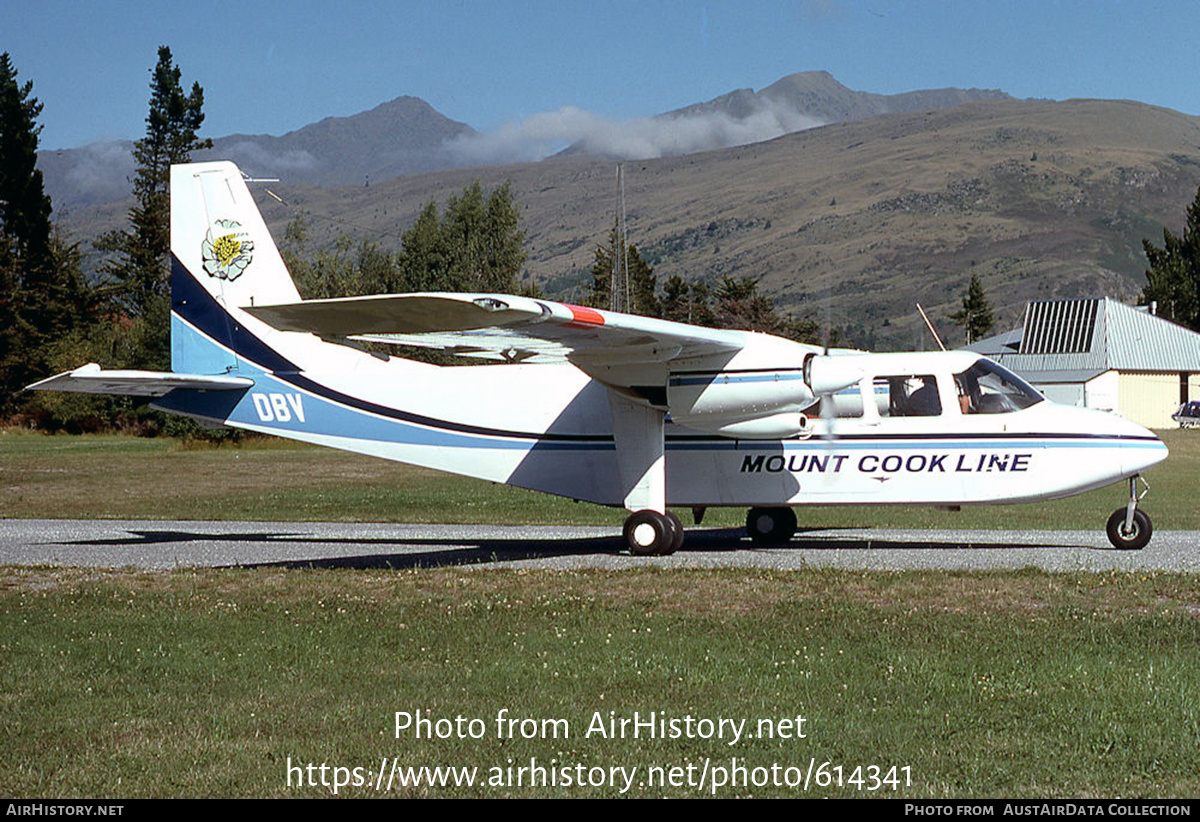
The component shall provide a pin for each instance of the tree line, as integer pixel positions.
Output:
(44, 296)
(734, 302)
(1173, 279)
(474, 244)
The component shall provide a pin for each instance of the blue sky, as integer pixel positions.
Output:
(270, 67)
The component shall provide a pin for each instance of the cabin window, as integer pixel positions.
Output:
(989, 388)
(908, 395)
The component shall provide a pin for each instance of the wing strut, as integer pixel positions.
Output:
(638, 432)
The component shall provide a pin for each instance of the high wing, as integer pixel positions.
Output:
(738, 383)
(505, 327)
(90, 379)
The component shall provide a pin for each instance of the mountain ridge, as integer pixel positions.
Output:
(818, 94)
(406, 135)
(793, 103)
(401, 136)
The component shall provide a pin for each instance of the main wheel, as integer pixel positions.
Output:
(649, 533)
(1135, 538)
(677, 534)
(770, 526)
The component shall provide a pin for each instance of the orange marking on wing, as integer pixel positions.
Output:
(585, 316)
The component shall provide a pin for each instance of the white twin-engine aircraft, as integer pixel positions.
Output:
(610, 408)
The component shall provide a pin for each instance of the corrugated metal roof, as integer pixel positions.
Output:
(1138, 341)
(1062, 377)
(1006, 343)
(1119, 337)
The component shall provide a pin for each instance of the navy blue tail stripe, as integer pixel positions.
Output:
(193, 303)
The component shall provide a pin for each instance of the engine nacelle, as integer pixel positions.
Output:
(827, 375)
(770, 427)
(757, 403)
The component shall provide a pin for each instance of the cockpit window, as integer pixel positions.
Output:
(989, 388)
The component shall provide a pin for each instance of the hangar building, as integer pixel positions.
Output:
(1100, 353)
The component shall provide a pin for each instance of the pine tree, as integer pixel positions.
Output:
(975, 316)
(24, 206)
(686, 302)
(1173, 279)
(644, 283)
(476, 245)
(600, 289)
(503, 242)
(23, 212)
(739, 305)
(462, 230)
(700, 311)
(423, 260)
(676, 300)
(42, 291)
(137, 273)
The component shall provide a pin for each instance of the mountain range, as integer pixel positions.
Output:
(817, 95)
(851, 222)
(408, 136)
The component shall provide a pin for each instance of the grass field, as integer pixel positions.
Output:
(207, 683)
(918, 684)
(268, 479)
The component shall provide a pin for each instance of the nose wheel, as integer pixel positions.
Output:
(1129, 528)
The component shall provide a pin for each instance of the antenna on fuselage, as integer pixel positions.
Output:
(929, 325)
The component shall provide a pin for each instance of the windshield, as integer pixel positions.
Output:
(989, 388)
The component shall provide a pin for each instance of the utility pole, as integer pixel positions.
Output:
(618, 292)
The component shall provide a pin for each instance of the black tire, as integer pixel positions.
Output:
(1133, 540)
(648, 533)
(677, 534)
(771, 526)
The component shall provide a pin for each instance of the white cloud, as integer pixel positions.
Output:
(254, 155)
(542, 135)
(99, 173)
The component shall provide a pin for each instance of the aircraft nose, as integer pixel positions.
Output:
(1143, 449)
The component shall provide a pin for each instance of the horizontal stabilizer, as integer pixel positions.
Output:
(92, 379)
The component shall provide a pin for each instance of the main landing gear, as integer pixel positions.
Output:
(649, 533)
(1129, 528)
(771, 526)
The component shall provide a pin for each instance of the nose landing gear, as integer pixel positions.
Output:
(1129, 528)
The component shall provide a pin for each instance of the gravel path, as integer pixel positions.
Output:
(169, 544)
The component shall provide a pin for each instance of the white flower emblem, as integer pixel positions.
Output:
(227, 250)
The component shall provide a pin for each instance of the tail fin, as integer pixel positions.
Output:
(220, 250)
